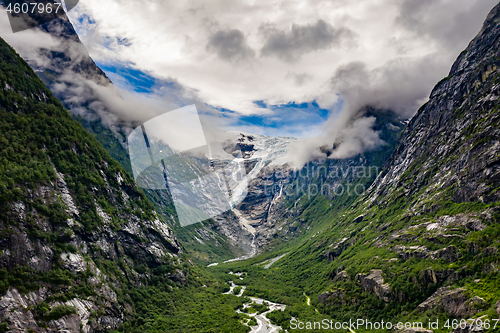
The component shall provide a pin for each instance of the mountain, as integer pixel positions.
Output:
(74, 78)
(421, 244)
(74, 225)
(282, 201)
(71, 74)
(265, 218)
(81, 247)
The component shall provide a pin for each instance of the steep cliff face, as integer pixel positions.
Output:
(75, 231)
(452, 144)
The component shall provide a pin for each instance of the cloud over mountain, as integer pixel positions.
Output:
(340, 54)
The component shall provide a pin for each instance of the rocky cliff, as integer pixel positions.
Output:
(431, 217)
(452, 142)
(75, 231)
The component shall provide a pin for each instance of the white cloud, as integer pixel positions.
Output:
(201, 43)
(230, 53)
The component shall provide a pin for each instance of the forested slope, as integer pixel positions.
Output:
(81, 247)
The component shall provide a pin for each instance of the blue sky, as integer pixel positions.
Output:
(128, 78)
(291, 118)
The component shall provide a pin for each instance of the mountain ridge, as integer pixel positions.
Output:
(81, 247)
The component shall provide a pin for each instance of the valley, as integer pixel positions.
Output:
(406, 230)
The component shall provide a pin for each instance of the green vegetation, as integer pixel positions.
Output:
(37, 138)
(44, 312)
(4, 327)
(421, 235)
(26, 280)
(161, 309)
(252, 322)
(260, 308)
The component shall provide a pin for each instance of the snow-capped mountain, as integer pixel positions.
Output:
(256, 152)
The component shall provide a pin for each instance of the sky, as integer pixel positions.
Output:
(299, 68)
(255, 58)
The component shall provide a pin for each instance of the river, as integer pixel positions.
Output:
(263, 323)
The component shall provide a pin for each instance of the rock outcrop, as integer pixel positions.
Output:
(373, 283)
(341, 276)
(333, 296)
(456, 302)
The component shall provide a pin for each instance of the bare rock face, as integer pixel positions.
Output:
(244, 146)
(373, 283)
(489, 251)
(430, 276)
(15, 310)
(333, 296)
(74, 262)
(341, 276)
(335, 250)
(178, 276)
(449, 254)
(407, 252)
(151, 242)
(456, 302)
